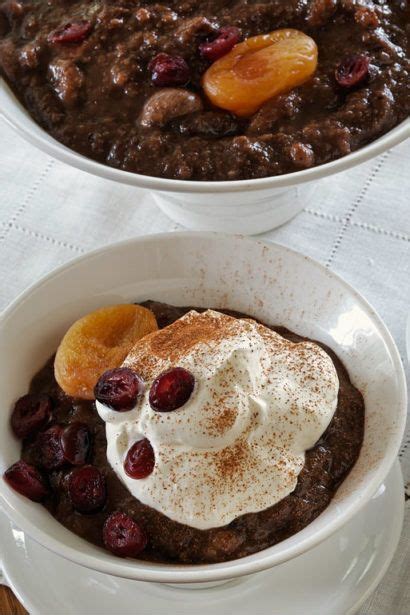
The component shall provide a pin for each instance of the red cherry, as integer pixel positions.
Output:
(123, 536)
(171, 390)
(140, 459)
(119, 389)
(75, 442)
(169, 70)
(352, 71)
(51, 450)
(72, 32)
(221, 45)
(27, 480)
(30, 413)
(86, 486)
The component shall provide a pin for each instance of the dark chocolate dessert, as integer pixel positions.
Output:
(66, 464)
(209, 90)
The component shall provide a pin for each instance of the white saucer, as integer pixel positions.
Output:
(334, 578)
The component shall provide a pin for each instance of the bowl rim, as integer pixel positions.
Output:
(166, 573)
(36, 135)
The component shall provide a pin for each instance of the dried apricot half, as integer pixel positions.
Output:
(260, 68)
(97, 342)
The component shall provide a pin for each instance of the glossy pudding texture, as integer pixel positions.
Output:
(209, 90)
(232, 437)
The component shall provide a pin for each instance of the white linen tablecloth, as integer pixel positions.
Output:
(358, 224)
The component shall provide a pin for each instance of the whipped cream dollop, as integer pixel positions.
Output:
(238, 444)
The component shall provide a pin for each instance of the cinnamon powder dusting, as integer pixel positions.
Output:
(238, 444)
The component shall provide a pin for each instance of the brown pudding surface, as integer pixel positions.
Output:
(90, 93)
(326, 465)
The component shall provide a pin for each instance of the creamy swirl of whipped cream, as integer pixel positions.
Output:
(238, 445)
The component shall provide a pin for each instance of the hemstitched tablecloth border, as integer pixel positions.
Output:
(357, 223)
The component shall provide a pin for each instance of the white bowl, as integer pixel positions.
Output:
(268, 281)
(248, 206)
